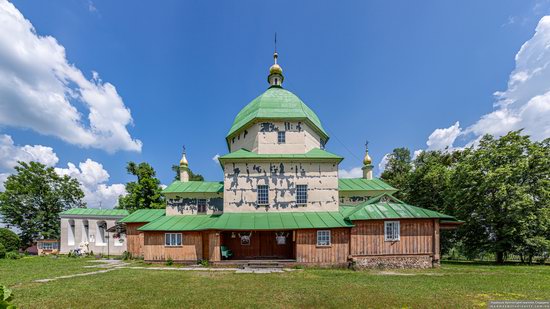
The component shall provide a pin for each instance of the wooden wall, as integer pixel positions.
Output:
(307, 250)
(134, 239)
(214, 253)
(154, 249)
(417, 237)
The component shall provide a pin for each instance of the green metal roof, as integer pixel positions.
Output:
(276, 103)
(361, 184)
(194, 187)
(386, 206)
(249, 221)
(316, 153)
(144, 215)
(94, 212)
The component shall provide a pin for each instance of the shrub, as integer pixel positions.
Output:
(9, 239)
(126, 255)
(6, 297)
(169, 261)
(13, 255)
(2, 251)
(204, 263)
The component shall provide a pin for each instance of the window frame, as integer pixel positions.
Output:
(395, 231)
(259, 199)
(199, 205)
(168, 236)
(324, 243)
(281, 137)
(302, 201)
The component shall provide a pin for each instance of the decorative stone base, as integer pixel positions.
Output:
(382, 262)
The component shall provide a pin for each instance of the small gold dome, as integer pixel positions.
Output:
(183, 161)
(367, 160)
(275, 69)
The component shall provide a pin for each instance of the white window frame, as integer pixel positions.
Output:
(260, 200)
(324, 238)
(173, 239)
(392, 231)
(281, 137)
(300, 201)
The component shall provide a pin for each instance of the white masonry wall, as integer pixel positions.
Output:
(242, 180)
(186, 203)
(70, 241)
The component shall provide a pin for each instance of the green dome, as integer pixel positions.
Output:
(276, 103)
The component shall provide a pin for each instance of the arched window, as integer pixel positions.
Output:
(71, 233)
(101, 232)
(85, 231)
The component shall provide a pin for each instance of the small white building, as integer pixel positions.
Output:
(90, 230)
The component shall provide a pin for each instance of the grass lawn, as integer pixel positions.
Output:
(454, 285)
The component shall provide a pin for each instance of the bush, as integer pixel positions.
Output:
(13, 255)
(2, 251)
(126, 255)
(6, 297)
(204, 263)
(9, 239)
(169, 261)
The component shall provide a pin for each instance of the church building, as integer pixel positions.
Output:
(281, 199)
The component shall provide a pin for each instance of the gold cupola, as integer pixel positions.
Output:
(275, 77)
(183, 161)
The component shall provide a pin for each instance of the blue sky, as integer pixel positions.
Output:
(391, 72)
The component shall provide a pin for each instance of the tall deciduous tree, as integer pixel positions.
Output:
(397, 171)
(143, 193)
(34, 197)
(192, 176)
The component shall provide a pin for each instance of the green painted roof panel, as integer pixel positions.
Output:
(312, 154)
(278, 104)
(248, 221)
(194, 187)
(144, 215)
(94, 212)
(361, 184)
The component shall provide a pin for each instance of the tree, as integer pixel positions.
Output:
(192, 176)
(398, 171)
(501, 189)
(9, 239)
(33, 198)
(143, 194)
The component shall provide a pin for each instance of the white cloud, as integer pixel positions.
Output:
(10, 154)
(92, 176)
(40, 90)
(525, 104)
(216, 158)
(91, 7)
(383, 163)
(441, 139)
(355, 172)
(3, 178)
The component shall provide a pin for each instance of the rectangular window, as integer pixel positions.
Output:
(172, 239)
(391, 231)
(323, 238)
(281, 137)
(201, 206)
(301, 194)
(263, 195)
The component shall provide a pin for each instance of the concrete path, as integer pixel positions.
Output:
(110, 265)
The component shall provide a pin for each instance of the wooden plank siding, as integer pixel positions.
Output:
(307, 250)
(134, 239)
(155, 250)
(214, 253)
(417, 238)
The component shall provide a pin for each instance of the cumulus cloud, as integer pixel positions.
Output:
(525, 104)
(10, 154)
(441, 139)
(93, 177)
(41, 90)
(216, 158)
(355, 172)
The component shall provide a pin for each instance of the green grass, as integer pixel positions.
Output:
(454, 285)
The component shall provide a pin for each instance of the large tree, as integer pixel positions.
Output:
(501, 189)
(34, 197)
(143, 193)
(192, 176)
(397, 171)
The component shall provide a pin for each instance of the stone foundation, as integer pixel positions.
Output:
(393, 262)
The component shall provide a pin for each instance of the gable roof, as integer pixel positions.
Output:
(194, 187)
(361, 184)
(276, 103)
(386, 206)
(316, 153)
(95, 212)
(249, 221)
(144, 215)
